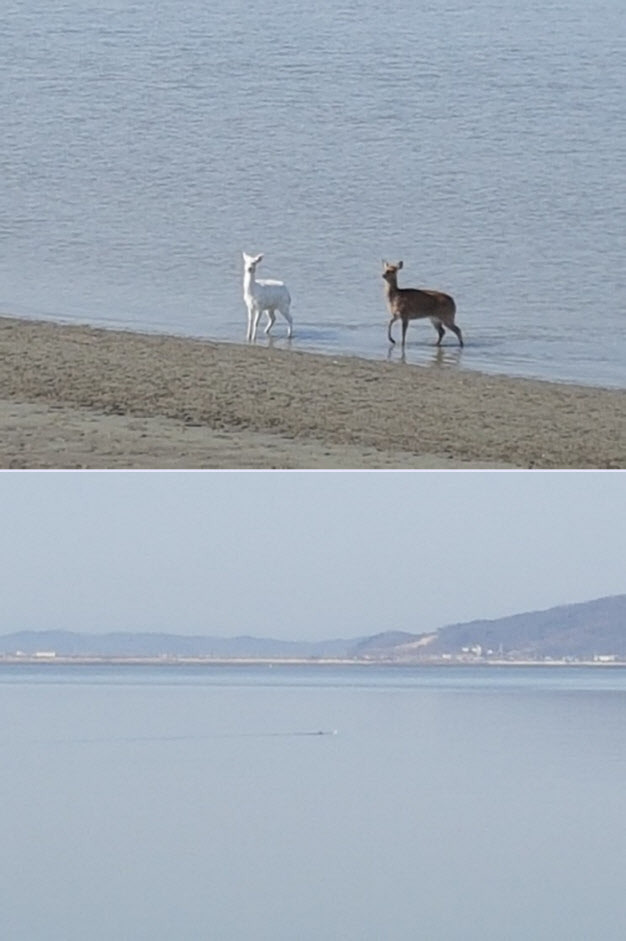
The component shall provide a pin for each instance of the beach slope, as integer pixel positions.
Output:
(77, 396)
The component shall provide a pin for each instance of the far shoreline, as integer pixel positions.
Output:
(47, 661)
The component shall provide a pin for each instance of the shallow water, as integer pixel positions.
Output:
(471, 804)
(143, 148)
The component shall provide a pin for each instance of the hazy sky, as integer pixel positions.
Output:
(302, 555)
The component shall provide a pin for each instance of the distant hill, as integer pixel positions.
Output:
(578, 631)
(593, 628)
(148, 645)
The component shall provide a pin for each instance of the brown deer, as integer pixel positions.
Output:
(414, 304)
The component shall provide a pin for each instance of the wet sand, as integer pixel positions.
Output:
(77, 396)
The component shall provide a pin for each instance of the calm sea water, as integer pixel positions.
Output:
(144, 146)
(457, 804)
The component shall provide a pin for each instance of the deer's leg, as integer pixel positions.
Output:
(457, 331)
(391, 323)
(405, 324)
(440, 331)
(285, 312)
(271, 317)
(249, 331)
(255, 324)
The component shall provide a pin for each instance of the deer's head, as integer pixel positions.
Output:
(390, 271)
(250, 262)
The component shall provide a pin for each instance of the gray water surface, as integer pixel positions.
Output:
(144, 146)
(471, 804)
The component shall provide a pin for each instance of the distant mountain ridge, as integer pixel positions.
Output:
(121, 644)
(583, 631)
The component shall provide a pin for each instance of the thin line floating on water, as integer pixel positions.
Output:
(319, 732)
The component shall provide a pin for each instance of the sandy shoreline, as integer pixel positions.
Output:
(78, 396)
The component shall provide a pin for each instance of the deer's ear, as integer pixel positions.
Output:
(400, 263)
(258, 259)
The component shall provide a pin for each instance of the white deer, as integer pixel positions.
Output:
(268, 296)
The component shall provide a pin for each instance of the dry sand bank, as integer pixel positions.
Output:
(77, 396)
